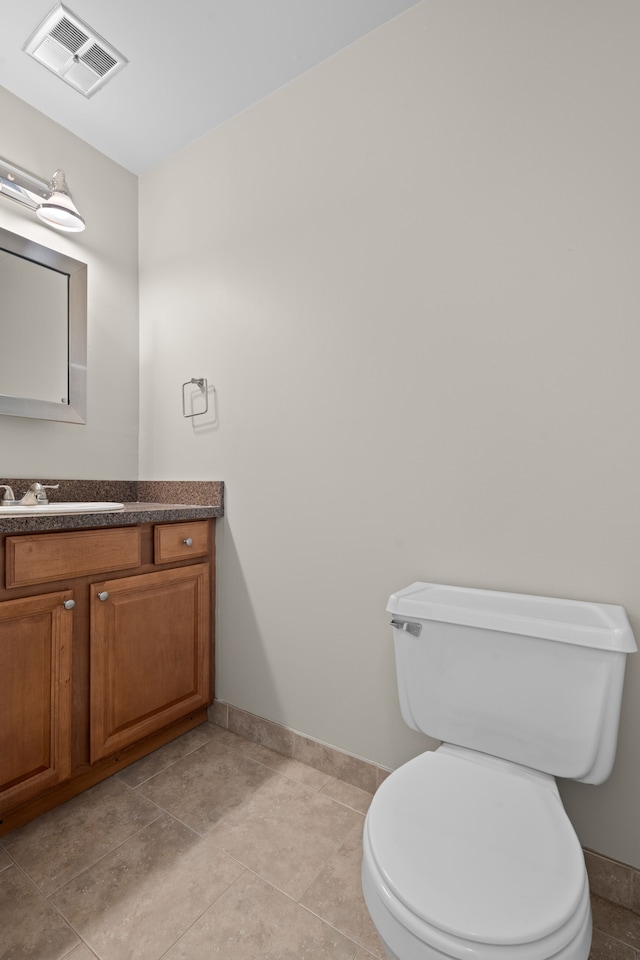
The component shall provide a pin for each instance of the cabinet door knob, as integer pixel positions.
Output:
(188, 541)
(68, 604)
(103, 595)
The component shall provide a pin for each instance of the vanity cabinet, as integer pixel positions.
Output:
(106, 646)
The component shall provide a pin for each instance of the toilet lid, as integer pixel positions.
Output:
(481, 850)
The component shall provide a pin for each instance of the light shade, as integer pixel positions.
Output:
(50, 201)
(59, 209)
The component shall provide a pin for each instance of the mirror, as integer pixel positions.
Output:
(43, 332)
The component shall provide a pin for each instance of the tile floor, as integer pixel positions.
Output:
(211, 847)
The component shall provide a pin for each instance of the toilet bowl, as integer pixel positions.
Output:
(466, 856)
(468, 853)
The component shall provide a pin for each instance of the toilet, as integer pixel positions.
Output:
(468, 852)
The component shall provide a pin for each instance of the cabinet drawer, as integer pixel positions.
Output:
(46, 557)
(171, 540)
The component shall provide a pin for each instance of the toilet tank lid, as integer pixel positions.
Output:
(581, 622)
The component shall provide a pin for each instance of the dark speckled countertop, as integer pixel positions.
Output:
(145, 501)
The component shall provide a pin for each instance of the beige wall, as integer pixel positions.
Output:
(106, 194)
(412, 277)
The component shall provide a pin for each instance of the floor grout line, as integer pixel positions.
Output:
(46, 900)
(206, 910)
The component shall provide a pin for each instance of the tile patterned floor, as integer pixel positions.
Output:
(211, 847)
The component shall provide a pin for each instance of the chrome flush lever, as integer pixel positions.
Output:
(415, 629)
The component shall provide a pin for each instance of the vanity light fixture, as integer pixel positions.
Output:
(50, 201)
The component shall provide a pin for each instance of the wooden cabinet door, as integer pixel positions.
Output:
(35, 696)
(149, 654)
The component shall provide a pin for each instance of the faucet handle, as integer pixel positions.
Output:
(8, 492)
(39, 488)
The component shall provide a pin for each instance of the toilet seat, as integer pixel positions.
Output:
(477, 855)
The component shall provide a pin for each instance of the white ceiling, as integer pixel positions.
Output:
(193, 64)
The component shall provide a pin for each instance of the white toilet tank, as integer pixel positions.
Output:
(534, 680)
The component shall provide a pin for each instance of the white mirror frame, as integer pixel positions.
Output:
(75, 411)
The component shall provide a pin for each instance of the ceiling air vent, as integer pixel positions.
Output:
(74, 51)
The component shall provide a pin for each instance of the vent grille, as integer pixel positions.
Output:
(69, 35)
(99, 60)
(74, 51)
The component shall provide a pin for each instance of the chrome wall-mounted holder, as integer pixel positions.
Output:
(200, 382)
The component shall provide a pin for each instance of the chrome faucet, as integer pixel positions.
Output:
(34, 495)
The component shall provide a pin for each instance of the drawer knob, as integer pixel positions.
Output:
(103, 595)
(188, 541)
(68, 604)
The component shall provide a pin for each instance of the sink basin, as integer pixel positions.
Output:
(48, 509)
